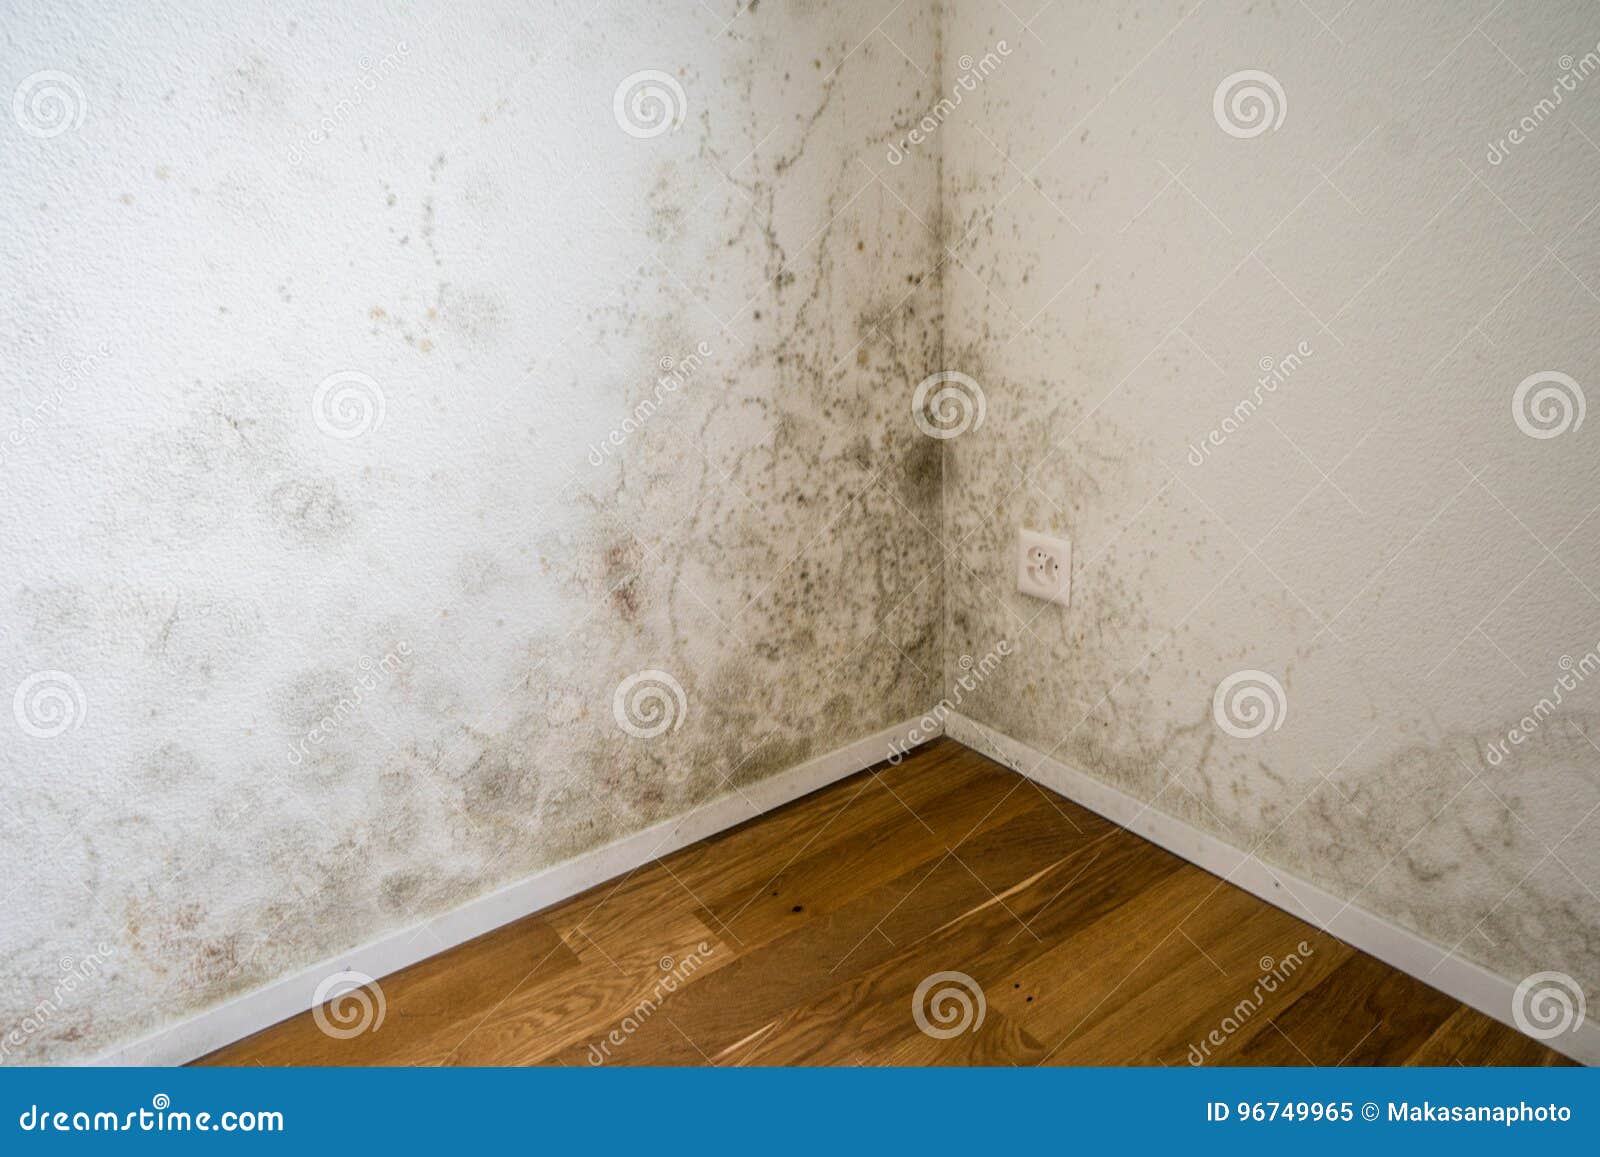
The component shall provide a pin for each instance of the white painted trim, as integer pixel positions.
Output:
(239, 1017)
(1403, 949)
(1411, 953)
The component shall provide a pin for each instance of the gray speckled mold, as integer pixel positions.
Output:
(441, 443)
(1264, 374)
(409, 394)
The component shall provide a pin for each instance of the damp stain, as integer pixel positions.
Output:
(309, 511)
(739, 542)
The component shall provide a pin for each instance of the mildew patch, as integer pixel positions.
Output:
(668, 216)
(1374, 789)
(476, 315)
(313, 696)
(176, 943)
(309, 511)
(171, 766)
(251, 91)
(751, 537)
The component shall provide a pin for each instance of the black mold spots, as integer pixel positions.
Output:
(1427, 843)
(621, 563)
(400, 891)
(922, 475)
(739, 743)
(53, 610)
(250, 90)
(174, 940)
(309, 511)
(478, 572)
(316, 697)
(778, 753)
(195, 638)
(235, 456)
(426, 229)
(862, 453)
(171, 766)
(667, 223)
(500, 788)
(625, 600)
(476, 315)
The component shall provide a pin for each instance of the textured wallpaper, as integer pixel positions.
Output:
(437, 440)
(1285, 315)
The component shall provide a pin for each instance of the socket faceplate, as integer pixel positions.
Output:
(1044, 566)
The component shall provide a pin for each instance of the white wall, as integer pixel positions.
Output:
(1378, 534)
(317, 686)
(325, 676)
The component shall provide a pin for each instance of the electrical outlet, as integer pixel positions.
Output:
(1044, 566)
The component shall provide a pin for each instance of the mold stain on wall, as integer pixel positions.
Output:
(338, 683)
(335, 686)
(1378, 786)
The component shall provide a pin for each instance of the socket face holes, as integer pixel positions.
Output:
(1044, 566)
(1043, 569)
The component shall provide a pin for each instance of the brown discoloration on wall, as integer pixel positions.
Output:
(309, 510)
(739, 539)
(1090, 409)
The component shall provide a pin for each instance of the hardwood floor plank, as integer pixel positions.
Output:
(424, 1005)
(1470, 1038)
(1363, 1013)
(886, 922)
(802, 936)
(544, 1017)
(833, 873)
(744, 860)
(873, 1010)
(1150, 982)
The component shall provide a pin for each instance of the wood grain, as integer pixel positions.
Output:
(802, 936)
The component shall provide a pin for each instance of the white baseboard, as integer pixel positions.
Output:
(239, 1017)
(1403, 949)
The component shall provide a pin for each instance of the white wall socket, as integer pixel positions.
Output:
(1044, 566)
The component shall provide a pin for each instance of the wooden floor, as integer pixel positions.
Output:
(802, 937)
